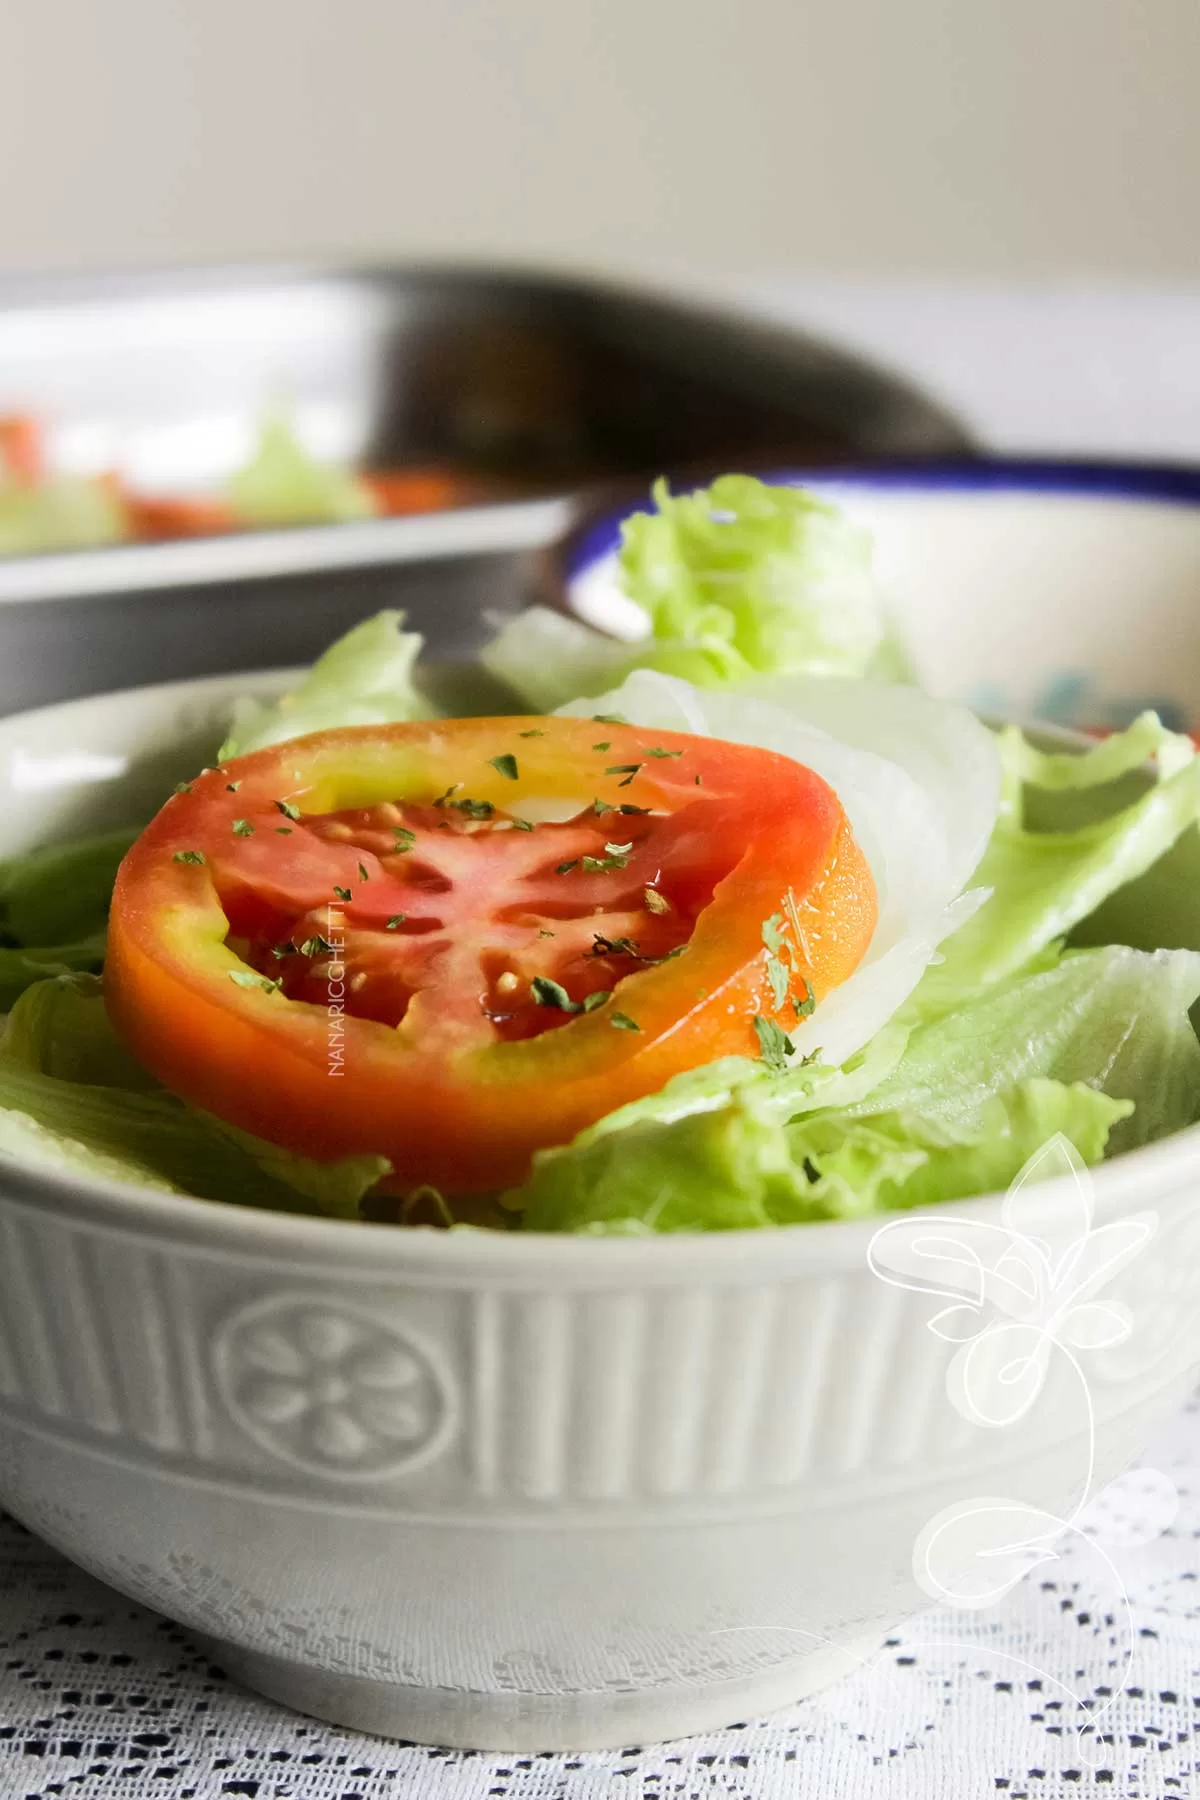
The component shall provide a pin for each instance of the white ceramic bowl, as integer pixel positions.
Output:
(518, 1492)
(1052, 591)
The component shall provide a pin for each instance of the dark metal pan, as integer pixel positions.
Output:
(545, 385)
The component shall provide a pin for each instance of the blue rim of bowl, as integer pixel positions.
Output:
(1175, 484)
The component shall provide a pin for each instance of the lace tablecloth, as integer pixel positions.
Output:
(99, 1697)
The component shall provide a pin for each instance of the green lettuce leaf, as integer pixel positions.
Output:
(1044, 882)
(1027, 766)
(21, 968)
(1098, 1044)
(59, 1027)
(61, 512)
(770, 578)
(738, 579)
(73, 1100)
(335, 1188)
(1115, 1018)
(283, 484)
(25, 1140)
(54, 910)
(881, 1161)
(58, 896)
(365, 678)
(723, 1169)
(549, 659)
(739, 1166)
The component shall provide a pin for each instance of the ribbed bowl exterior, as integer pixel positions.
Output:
(555, 1468)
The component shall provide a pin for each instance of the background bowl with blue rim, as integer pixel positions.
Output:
(1062, 591)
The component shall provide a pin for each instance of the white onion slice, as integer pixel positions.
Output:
(919, 779)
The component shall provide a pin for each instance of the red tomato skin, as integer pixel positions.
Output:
(445, 1107)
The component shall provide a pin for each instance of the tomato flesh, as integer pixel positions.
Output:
(509, 927)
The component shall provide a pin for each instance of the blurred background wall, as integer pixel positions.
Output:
(981, 137)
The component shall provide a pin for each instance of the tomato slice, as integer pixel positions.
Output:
(22, 456)
(156, 516)
(455, 942)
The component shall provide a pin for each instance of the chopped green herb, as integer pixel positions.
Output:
(627, 946)
(183, 787)
(655, 902)
(616, 857)
(246, 978)
(288, 809)
(473, 809)
(606, 745)
(505, 765)
(622, 946)
(628, 770)
(231, 787)
(316, 946)
(542, 932)
(341, 892)
(564, 868)
(804, 1008)
(283, 831)
(770, 934)
(282, 950)
(779, 978)
(657, 750)
(622, 1022)
(535, 732)
(405, 839)
(550, 993)
(522, 824)
(775, 1045)
(452, 789)
(395, 922)
(242, 828)
(190, 856)
(592, 1001)
(633, 812)
(600, 807)
(609, 719)
(362, 872)
(699, 781)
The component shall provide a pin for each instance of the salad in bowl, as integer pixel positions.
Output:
(576, 1048)
(722, 926)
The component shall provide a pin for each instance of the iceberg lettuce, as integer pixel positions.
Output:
(365, 678)
(737, 579)
(284, 484)
(73, 1101)
(1099, 1048)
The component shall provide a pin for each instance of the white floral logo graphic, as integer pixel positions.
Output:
(1019, 1289)
(1016, 1294)
(336, 1393)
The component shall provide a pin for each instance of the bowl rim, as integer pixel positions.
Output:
(595, 535)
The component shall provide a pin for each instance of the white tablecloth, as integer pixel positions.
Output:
(100, 1698)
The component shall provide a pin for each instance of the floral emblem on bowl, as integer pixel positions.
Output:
(331, 1391)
